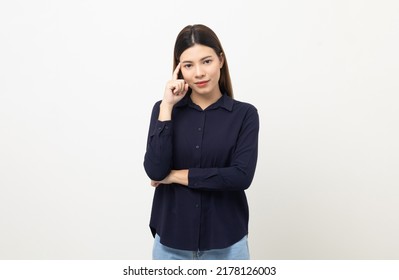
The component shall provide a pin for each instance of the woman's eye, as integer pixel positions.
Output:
(187, 66)
(207, 61)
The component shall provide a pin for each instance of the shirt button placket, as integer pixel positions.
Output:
(200, 131)
(199, 137)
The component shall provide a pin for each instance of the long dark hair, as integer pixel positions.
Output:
(203, 35)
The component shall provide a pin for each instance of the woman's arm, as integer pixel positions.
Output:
(158, 156)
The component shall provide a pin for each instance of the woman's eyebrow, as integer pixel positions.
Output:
(202, 59)
(206, 57)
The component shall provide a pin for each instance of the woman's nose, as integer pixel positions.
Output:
(199, 72)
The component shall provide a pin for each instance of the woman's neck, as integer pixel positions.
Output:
(205, 100)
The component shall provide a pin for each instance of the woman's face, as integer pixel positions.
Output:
(200, 67)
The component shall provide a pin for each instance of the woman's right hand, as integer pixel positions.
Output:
(175, 89)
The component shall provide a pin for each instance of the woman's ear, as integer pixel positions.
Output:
(221, 60)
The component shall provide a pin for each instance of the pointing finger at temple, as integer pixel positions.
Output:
(176, 72)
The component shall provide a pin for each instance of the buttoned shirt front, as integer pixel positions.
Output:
(219, 147)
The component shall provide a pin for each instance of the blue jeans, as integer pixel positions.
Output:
(237, 251)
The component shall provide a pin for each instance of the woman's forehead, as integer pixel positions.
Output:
(196, 52)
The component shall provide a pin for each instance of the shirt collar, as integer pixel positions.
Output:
(225, 102)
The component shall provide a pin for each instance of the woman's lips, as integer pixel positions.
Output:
(202, 83)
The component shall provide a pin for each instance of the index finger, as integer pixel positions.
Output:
(176, 72)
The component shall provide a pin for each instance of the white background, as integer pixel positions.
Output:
(78, 80)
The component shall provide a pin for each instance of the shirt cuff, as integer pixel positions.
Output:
(163, 127)
(202, 177)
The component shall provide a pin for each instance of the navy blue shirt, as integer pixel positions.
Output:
(219, 147)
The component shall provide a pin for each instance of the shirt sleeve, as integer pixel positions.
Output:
(158, 156)
(239, 175)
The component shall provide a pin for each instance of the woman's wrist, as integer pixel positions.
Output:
(180, 176)
(165, 111)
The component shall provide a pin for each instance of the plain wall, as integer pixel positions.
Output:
(78, 80)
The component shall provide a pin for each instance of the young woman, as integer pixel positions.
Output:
(201, 156)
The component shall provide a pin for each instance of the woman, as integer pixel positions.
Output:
(201, 156)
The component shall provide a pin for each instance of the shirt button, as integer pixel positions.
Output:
(199, 129)
(197, 147)
(196, 206)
